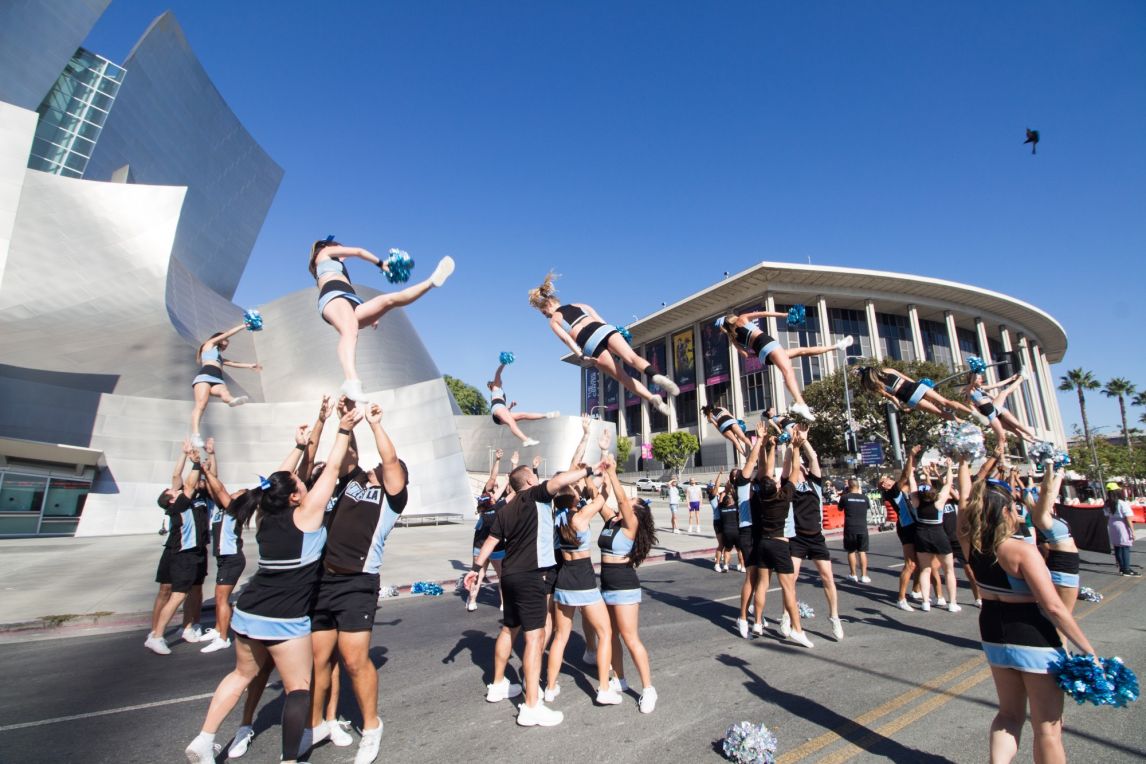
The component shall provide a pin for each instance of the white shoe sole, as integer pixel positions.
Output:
(443, 271)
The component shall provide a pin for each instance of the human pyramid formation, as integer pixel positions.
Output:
(322, 529)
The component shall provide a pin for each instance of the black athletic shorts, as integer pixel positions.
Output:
(163, 571)
(855, 542)
(774, 554)
(743, 542)
(188, 569)
(932, 539)
(526, 596)
(809, 547)
(228, 568)
(906, 534)
(346, 602)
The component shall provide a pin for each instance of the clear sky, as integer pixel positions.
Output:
(642, 149)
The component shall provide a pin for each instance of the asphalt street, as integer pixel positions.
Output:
(909, 687)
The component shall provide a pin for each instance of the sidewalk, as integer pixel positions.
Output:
(62, 586)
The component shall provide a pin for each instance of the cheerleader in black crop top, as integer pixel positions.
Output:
(340, 307)
(907, 394)
(587, 335)
(502, 411)
(749, 340)
(932, 546)
(728, 426)
(487, 506)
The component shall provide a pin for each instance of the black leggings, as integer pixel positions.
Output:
(296, 710)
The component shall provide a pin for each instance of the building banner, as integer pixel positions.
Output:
(684, 360)
(714, 347)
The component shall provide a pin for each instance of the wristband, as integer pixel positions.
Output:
(300, 446)
(588, 472)
(343, 431)
(196, 466)
(475, 568)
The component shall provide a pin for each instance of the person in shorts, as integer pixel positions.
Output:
(674, 503)
(855, 506)
(693, 494)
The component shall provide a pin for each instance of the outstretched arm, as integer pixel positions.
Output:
(579, 452)
(811, 456)
(324, 410)
(237, 365)
(215, 486)
(497, 375)
(308, 515)
(491, 482)
(291, 460)
(564, 336)
(341, 251)
(224, 336)
(753, 458)
(180, 463)
(752, 316)
(945, 491)
(907, 477)
(191, 482)
(1041, 514)
(624, 505)
(562, 479)
(393, 477)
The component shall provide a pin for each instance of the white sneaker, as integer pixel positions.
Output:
(339, 732)
(676, 530)
(742, 627)
(551, 693)
(802, 410)
(716, 567)
(666, 384)
(197, 440)
(916, 596)
(192, 634)
(845, 343)
(368, 745)
(352, 389)
(200, 752)
(552, 414)
(786, 625)
(609, 697)
(236, 402)
(590, 657)
(837, 629)
(854, 579)
(865, 579)
(954, 607)
(739, 568)
(530, 442)
(979, 603)
(659, 404)
(904, 605)
(210, 635)
(216, 645)
(242, 742)
(800, 639)
(471, 606)
(501, 691)
(157, 645)
(440, 274)
(538, 716)
(648, 700)
(618, 684)
(758, 629)
(940, 602)
(925, 606)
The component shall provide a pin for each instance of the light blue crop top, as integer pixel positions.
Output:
(330, 265)
(613, 540)
(211, 355)
(1059, 531)
(562, 520)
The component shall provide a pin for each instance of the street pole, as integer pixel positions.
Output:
(893, 433)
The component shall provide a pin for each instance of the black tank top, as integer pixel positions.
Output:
(571, 314)
(928, 513)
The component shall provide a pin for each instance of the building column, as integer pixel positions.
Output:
(1020, 406)
(775, 384)
(825, 334)
(872, 332)
(985, 351)
(1044, 390)
(916, 334)
(737, 401)
(701, 391)
(1029, 383)
(1052, 399)
(953, 338)
(670, 361)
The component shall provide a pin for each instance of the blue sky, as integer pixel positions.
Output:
(642, 149)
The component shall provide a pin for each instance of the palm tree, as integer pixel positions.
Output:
(1120, 388)
(1139, 399)
(1081, 381)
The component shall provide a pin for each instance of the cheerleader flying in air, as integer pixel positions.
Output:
(209, 380)
(907, 394)
(991, 405)
(1033, 139)
(722, 419)
(588, 336)
(503, 413)
(340, 307)
(747, 338)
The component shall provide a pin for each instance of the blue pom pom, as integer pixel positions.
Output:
(506, 358)
(398, 266)
(785, 437)
(253, 320)
(797, 315)
(747, 743)
(927, 381)
(743, 426)
(1106, 682)
(976, 364)
(624, 332)
(428, 588)
(805, 610)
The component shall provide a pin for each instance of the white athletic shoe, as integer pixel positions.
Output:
(590, 657)
(979, 603)
(676, 530)
(785, 625)
(352, 389)
(216, 645)
(758, 629)
(242, 742)
(197, 440)
(837, 629)
(192, 634)
(904, 605)
(501, 691)
(666, 384)
(157, 645)
(201, 751)
(609, 697)
(210, 634)
(865, 579)
(802, 410)
(925, 606)
(800, 639)
(551, 693)
(552, 414)
(618, 684)
(471, 606)
(854, 579)
(742, 627)
(236, 402)
(648, 700)
(716, 567)
(739, 567)
(916, 596)
(954, 607)
(659, 404)
(368, 745)
(845, 343)
(530, 442)
(538, 716)
(940, 602)
(339, 732)
(440, 274)
(312, 736)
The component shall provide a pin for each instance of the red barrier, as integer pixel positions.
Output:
(1138, 509)
(833, 517)
(892, 515)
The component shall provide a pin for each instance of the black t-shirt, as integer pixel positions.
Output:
(808, 507)
(855, 507)
(525, 524)
(363, 519)
(902, 507)
(775, 512)
(190, 521)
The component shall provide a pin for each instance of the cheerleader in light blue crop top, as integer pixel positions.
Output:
(209, 382)
(501, 410)
(1052, 534)
(344, 310)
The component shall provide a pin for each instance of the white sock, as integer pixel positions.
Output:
(205, 737)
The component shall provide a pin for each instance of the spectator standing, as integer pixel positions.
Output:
(692, 493)
(1120, 526)
(674, 504)
(855, 506)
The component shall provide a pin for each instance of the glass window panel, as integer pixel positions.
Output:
(808, 368)
(22, 493)
(845, 321)
(968, 341)
(756, 391)
(59, 526)
(714, 350)
(76, 162)
(685, 405)
(611, 392)
(895, 337)
(996, 349)
(633, 419)
(719, 395)
(66, 497)
(14, 525)
(936, 343)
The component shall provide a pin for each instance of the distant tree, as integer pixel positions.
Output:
(1117, 462)
(1081, 380)
(826, 397)
(624, 449)
(1121, 388)
(469, 399)
(674, 448)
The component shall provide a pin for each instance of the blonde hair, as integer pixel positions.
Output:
(540, 295)
(986, 512)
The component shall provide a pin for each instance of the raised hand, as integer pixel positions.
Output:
(514, 459)
(210, 446)
(605, 440)
(326, 408)
(498, 454)
(344, 405)
(916, 450)
(585, 423)
(301, 435)
(536, 461)
(374, 415)
(186, 446)
(350, 418)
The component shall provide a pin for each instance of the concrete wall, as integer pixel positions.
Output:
(559, 438)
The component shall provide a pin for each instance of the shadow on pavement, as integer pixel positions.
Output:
(881, 619)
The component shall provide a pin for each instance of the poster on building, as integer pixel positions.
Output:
(752, 363)
(658, 361)
(592, 389)
(684, 360)
(611, 387)
(714, 350)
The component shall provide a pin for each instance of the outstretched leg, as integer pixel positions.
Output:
(783, 363)
(202, 394)
(606, 364)
(502, 415)
(340, 314)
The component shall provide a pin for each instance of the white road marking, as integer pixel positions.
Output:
(42, 722)
(737, 596)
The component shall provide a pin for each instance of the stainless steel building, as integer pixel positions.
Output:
(891, 315)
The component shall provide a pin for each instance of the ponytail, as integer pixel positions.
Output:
(646, 537)
(272, 499)
(542, 294)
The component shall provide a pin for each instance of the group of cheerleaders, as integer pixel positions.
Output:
(1021, 558)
